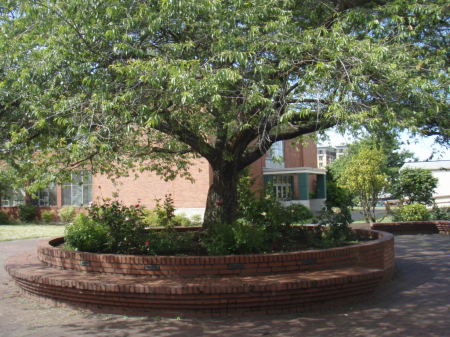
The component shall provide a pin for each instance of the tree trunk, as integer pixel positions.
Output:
(222, 202)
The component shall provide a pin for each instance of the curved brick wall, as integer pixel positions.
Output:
(367, 253)
(203, 285)
(410, 227)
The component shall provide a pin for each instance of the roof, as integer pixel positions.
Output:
(437, 165)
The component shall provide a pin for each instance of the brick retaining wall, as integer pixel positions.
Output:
(413, 227)
(206, 285)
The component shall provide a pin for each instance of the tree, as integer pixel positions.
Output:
(388, 143)
(116, 84)
(364, 176)
(337, 196)
(415, 186)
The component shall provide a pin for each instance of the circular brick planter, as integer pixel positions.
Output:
(206, 285)
(413, 227)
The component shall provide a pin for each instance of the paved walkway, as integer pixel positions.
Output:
(415, 303)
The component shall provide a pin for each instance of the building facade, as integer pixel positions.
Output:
(290, 169)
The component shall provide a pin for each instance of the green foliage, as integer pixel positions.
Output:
(177, 71)
(85, 234)
(412, 212)
(334, 229)
(67, 214)
(125, 226)
(267, 210)
(172, 242)
(364, 175)
(165, 211)
(338, 196)
(47, 215)
(27, 213)
(442, 213)
(415, 186)
(4, 218)
(242, 237)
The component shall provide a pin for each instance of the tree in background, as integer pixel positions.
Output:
(121, 84)
(337, 196)
(364, 175)
(415, 186)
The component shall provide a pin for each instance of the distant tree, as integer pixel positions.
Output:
(337, 196)
(364, 175)
(415, 186)
(116, 84)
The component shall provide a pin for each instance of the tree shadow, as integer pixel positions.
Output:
(414, 303)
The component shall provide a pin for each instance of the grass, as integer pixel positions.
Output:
(29, 231)
(387, 218)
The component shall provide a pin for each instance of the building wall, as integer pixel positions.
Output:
(148, 187)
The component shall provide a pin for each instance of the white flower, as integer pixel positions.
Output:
(336, 210)
(263, 213)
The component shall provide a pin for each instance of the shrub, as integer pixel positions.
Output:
(333, 229)
(165, 211)
(127, 234)
(182, 220)
(4, 218)
(172, 242)
(299, 213)
(412, 212)
(47, 215)
(86, 235)
(415, 186)
(242, 237)
(27, 213)
(440, 213)
(67, 214)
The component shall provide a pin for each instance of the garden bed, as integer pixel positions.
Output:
(206, 285)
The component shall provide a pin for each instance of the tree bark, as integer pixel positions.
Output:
(222, 201)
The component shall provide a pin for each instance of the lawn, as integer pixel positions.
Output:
(29, 231)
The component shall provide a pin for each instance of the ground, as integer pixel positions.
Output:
(415, 303)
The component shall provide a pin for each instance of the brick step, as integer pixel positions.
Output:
(191, 295)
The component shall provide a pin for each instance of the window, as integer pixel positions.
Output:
(79, 191)
(282, 186)
(12, 198)
(320, 157)
(275, 156)
(46, 197)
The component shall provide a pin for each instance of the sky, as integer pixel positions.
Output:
(423, 148)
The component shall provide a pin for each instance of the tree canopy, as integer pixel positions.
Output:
(112, 84)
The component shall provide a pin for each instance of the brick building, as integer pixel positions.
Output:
(291, 170)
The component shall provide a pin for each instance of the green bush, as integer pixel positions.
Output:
(86, 235)
(47, 215)
(4, 218)
(333, 229)
(172, 242)
(242, 237)
(440, 213)
(412, 212)
(126, 228)
(67, 214)
(27, 213)
(299, 213)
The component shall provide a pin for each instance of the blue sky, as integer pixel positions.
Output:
(422, 147)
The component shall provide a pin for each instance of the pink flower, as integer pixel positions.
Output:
(147, 243)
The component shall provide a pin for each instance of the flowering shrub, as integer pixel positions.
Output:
(86, 235)
(126, 229)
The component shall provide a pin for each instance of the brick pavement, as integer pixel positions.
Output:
(415, 303)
